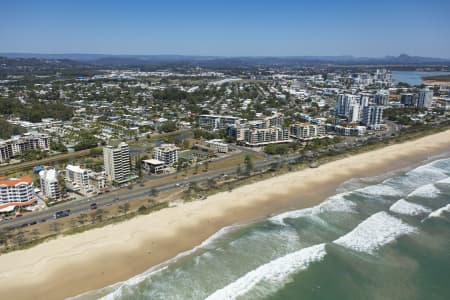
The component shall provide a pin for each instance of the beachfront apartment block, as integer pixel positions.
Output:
(117, 163)
(77, 179)
(167, 153)
(346, 130)
(425, 99)
(373, 116)
(16, 192)
(261, 137)
(302, 131)
(50, 188)
(84, 181)
(18, 145)
(216, 122)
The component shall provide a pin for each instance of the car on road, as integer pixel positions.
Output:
(61, 214)
(93, 206)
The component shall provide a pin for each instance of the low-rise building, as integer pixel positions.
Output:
(261, 137)
(216, 122)
(306, 130)
(77, 179)
(18, 145)
(347, 131)
(168, 153)
(16, 192)
(154, 166)
(217, 145)
(85, 181)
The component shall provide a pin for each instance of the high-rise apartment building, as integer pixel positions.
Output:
(373, 116)
(425, 99)
(117, 163)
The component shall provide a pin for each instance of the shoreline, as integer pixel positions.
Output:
(71, 265)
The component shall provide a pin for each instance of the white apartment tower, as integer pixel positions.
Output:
(373, 116)
(77, 179)
(348, 105)
(117, 162)
(49, 184)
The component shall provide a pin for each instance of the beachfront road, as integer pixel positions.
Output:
(124, 195)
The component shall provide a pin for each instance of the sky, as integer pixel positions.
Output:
(227, 28)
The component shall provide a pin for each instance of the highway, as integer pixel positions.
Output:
(123, 195)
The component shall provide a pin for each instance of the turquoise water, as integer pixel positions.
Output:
(377, 238)
(413, 77)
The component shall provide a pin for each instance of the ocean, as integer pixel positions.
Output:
(385, 237)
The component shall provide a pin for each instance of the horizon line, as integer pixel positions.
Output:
(218, 56)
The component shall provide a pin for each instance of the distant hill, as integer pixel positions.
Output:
(135, 60)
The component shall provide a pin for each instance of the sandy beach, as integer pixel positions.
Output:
(74, 264)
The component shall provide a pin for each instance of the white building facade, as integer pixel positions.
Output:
(117, 163)
(49, 184)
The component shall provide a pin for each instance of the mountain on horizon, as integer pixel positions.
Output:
(130, 59)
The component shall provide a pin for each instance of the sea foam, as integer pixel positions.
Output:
(117, 288)
(275, 272)
(446, 180)
(407, 208)
(429, 171)
(377, 230)
(380, 190)
(336, 203)
(425, 191)
(438, 212)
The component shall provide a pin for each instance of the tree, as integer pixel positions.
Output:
(97, 215)
(59, 147)
(35, 233)
(124, 209)
(82, 218)
(9, 129)
(142, 209)
(55, 227)
(248, 164)
(20, 239)
(168, 126)
(4, 238)
(238, 170)
(211, 183)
